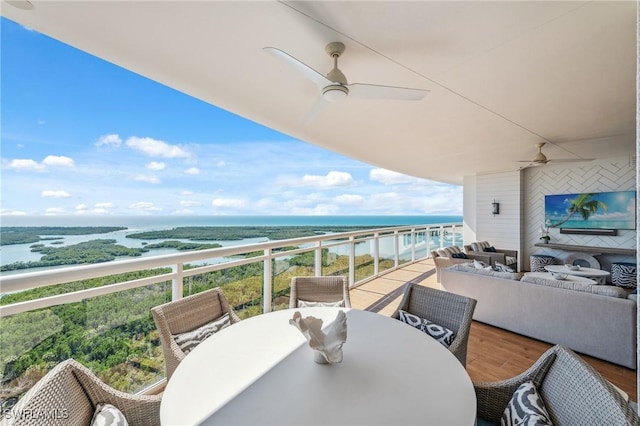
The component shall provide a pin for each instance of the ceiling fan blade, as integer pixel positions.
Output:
(317, 107)
(570, 160)
(301, 67)
(372, 91)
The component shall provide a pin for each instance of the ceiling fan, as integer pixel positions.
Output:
(334, 87)
(541, 159)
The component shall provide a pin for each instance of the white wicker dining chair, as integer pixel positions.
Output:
(69, 394)
(187, 314)
(572, 391)
(324, 290)
(449, 310)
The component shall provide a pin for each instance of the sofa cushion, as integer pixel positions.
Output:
(448, 251)
(603, 290)
(468, 267)
(479, 245)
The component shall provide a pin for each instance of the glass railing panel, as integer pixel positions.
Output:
(242, 286)
(364, 260)
(421, 244)
(114, 335)
(335, 260)
(386, 252)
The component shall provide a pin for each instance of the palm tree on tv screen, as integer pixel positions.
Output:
(584, 204)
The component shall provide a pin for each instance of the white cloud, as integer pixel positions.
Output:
(389, 177)
(190, 203)
(40, 122)
(53, 211)
(55, 194)
(192, 171)
(13, 213)
(186, 192)
(156, 148)
(112, 140)
(331, 180)
(147, 178)
(221, 163)
(348, 199)
(23, 164)
(155, 165)
(228, 203)
(104, 205)
(183, 212)
(58, 161)
(144, 206)
(81, 207)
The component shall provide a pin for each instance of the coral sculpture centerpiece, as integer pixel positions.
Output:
(327, 347)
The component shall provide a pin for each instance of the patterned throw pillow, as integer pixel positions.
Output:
(108, 415)
(438, 332)
(502, 268)
(190, 339)
(526, 408)
(309, 304)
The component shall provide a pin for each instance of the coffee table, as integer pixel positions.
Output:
(598, 275)
(260, 371)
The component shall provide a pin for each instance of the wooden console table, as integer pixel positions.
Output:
(588, 249)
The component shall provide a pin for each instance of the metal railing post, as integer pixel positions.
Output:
(396, 249)
(177, 286)
(413, 244)
(267, 281)
(352, 261)
(376, 253)
(318, 260)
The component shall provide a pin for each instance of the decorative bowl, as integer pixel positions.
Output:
(559, 276)
(572, 267)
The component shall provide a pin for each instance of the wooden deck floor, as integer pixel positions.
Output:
(493, 353)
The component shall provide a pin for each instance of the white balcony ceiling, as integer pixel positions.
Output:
(502, 75)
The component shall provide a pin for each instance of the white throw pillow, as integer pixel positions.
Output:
(310, 304)
(190, 339)
(108, 415)
(438, 332)
(526, 408)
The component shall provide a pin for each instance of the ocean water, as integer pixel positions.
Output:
(167, 222)
(22, 252)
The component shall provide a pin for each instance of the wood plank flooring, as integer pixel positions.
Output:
(493, 353)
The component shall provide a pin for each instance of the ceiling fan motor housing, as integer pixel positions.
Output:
(335, 93)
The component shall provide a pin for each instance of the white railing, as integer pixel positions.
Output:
(30, 280)
(387, 249)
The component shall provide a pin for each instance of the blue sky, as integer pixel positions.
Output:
(81, 136)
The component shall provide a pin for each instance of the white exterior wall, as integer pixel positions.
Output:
(502, 230)
(615, 174)
(469, 209)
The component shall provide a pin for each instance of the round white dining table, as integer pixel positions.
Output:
(260, 371)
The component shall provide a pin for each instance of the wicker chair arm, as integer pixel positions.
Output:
(139, 410)
(512, 253)
(493, 397)
(483, 257)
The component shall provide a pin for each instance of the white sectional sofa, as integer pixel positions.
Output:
(596, 320)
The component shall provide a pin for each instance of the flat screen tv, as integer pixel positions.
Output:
(595, 210)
